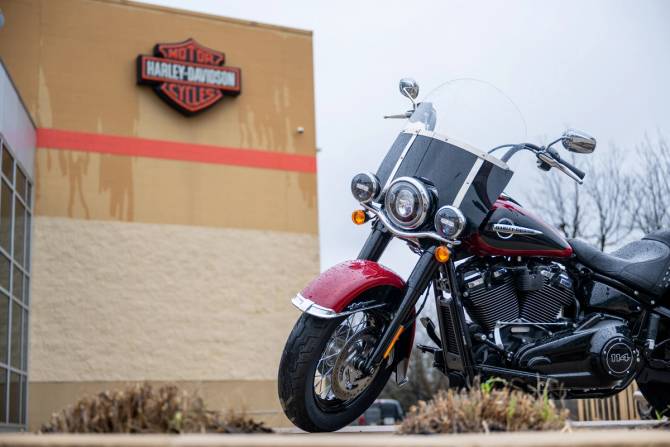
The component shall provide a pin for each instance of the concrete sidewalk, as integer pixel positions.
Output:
(608, 438)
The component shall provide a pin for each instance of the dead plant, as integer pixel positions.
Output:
(142, 409)
(484, 408)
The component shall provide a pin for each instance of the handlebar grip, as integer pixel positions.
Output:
(578, 172)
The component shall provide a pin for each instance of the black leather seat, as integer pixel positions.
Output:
(643, 265)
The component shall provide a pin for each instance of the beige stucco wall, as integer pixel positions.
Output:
(162, 302)
(205, 307)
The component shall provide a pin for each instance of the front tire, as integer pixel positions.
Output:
(302, 355)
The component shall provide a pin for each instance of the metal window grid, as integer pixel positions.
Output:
(23, 302)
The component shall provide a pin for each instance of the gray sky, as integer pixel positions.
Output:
(599, 66)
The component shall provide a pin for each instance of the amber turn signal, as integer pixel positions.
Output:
(397, 335)
(442, 254)
(359, 217)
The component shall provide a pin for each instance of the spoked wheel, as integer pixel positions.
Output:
(319, 387)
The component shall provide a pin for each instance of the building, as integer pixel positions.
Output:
(17, 170)
(166, 241)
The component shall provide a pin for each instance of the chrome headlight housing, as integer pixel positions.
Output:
(449, 222)
(365, 187)
(407, 202)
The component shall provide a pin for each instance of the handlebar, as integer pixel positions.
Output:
(552, 158)
(548, 158)
(578, 172)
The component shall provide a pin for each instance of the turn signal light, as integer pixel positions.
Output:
(442, 254)
(359, 217)
(397, 335)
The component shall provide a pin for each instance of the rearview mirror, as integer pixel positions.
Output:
(577, 141)
(409, 88)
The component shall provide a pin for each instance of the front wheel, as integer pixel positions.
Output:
(319, 388)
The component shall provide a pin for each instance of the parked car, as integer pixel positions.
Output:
(382, 412)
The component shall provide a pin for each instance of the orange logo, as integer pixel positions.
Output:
(188, 76)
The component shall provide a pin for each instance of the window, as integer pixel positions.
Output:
(15, 218)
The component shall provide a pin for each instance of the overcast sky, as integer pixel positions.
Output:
(599, 66)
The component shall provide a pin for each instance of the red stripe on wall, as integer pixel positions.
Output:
(172, 150)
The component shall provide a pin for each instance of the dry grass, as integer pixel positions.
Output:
(142, 409)
(482, 409)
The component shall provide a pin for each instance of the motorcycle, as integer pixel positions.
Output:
(514, 298)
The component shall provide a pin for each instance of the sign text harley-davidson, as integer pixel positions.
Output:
(188, 76)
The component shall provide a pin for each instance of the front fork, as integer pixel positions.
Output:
(426, 270)
(376, 243)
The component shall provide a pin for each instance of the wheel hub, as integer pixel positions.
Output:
(347, 380)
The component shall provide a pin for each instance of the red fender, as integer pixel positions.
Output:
(338, 286)
(341, 284)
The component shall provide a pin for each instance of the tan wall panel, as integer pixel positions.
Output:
(125, 301)
(75, 61)
(20, 47)
(98, 186)
(257, 398)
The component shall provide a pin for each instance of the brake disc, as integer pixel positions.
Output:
(347, 381)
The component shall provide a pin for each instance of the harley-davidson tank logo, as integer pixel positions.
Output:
(188, 76)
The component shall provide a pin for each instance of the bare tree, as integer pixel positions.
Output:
(608, 186)
(561, 201)
(651, 190)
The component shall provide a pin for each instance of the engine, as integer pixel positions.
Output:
(524, 317)
(503, 294)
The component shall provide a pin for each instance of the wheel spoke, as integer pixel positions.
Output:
(352, 331)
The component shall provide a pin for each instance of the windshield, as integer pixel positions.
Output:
(471, 111)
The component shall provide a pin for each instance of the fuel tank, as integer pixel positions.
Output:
(547, 242)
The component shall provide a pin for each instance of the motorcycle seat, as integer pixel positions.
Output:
(643, 265)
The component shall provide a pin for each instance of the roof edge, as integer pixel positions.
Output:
(202, 15)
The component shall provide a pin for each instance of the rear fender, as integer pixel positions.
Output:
(329, 294)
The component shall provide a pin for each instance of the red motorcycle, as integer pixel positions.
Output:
(514, 298)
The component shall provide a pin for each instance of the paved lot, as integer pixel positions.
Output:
(590, 425)
(582, 438)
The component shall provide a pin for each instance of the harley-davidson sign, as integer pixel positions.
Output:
(188, 76)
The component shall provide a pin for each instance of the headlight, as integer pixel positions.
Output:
(449, 222)
(365, 187)
(407, 202)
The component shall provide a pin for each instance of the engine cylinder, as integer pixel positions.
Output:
(491, 297)
(544, 304)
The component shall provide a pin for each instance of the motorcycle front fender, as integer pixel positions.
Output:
(328, 295)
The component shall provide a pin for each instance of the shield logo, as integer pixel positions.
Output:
(188, 76)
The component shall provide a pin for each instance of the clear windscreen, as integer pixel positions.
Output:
(471, 111)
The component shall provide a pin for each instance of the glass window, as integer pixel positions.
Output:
(20, 183)
(4, 327)
(4, 272)
(3, 395)
(18, 284)
(24, 357)
(20, 231)
(15, 218)
(14, 398)
(7, 164)
(28, 228)
(29, 194)
(26, 290)
(17, 318)
(5, 216)
(24, 398)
